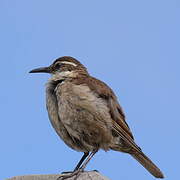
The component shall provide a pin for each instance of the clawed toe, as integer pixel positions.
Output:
(66, 175)
(95, 170)
(66, 172)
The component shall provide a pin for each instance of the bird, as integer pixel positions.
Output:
(86, 114)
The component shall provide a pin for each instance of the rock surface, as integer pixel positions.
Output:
(87, 175)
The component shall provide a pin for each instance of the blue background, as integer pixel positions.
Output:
(131, 45)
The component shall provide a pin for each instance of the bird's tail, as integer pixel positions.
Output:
(148, 164)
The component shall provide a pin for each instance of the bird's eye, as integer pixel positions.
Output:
(57, 66)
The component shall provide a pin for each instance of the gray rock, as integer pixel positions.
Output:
(87, 175)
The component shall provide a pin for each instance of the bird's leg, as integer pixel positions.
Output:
(88, 159)
(79, 169)
(81, 160)
(79, 163)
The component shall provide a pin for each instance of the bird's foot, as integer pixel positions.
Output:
(70, 174)
(66, 172)
(95, 170)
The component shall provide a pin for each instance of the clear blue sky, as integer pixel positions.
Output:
(132, 45)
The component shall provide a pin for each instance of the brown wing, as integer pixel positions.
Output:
(119, 124)
(115, 110)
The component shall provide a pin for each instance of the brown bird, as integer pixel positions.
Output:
(85, 113)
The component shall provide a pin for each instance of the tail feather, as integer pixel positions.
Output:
(148, 164)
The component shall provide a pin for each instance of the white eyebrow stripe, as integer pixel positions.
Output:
(71, 63)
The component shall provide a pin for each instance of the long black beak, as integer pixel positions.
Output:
(41, 70)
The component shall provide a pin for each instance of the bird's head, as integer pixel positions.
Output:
(63, 67)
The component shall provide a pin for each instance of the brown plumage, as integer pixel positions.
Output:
(86, 114)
